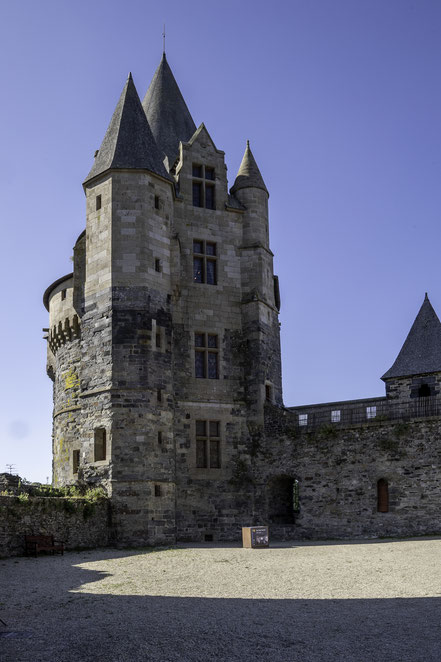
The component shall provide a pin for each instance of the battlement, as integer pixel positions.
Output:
(63, 332)
(367, 410)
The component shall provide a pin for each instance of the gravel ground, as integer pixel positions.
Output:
(355, 601)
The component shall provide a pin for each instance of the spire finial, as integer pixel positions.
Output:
(248, 144)
(163, 40)
(426, 298)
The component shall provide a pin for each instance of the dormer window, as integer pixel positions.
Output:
(203, 191)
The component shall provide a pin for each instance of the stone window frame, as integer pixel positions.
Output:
(206, 354)
(208, 443)
(203, 186)
(205, 262)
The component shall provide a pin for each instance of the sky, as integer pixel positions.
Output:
(341, 102)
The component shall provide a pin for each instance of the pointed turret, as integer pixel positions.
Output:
(128, 142)
(167, 112)
(249, 174)
(421, 352)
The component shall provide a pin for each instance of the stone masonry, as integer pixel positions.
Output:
(164, 350)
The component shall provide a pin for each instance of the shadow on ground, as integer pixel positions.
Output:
(53, 624)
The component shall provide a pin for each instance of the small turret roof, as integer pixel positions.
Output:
(421, 352)
(128, 142)
(167, 112)
(249, 174)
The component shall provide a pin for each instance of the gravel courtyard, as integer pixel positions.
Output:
(321, 601)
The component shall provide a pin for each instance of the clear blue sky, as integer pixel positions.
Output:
(341, 101)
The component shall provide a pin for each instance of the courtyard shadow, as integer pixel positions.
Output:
(49, 621)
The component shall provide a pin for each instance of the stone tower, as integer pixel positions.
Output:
(164, 341)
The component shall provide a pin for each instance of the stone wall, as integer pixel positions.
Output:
(77, 522)
(338, 468)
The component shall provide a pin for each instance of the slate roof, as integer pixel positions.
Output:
(421, 352)
(249, 174)
(128, 142)
(167, 112)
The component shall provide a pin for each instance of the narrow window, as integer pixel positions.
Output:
(63, 295)
(99, 444)
(335, 416)
(98, 202)
(371, 412)
(208, 445)
(206, 356)
(157, 264)
(157, 490)
(158, 339)
(159, 437)
(268, 393)
(159, 395)
(204, 262)
(303, 419)
(382, 496)
(156, 201)
(75, 461)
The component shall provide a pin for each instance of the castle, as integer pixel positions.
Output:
(164, 350)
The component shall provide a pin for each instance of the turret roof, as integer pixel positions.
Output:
(421, 352)
(128, 142)
(167, 112)
(249, 174)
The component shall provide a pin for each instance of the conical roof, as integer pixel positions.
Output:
(421, 352)
(128, 142)
(167, 112)
(249, 174)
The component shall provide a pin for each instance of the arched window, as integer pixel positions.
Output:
(382, 496)
(424, 391)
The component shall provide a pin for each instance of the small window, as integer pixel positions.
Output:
(156, 201)
(303, 419)
(99, 444)
(98, 202)
(157, 490)
(63, 295)
(75, 461)
(268, 393)
(206, 356)
(371, 412)
(158, 339)
(159, 395)
(204, 262)
(335, 416)
(158, 265)
(382, 496)
(159, 437)
(208, 445)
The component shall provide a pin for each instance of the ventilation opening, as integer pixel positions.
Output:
(98, 202)
(156, 201)
(208, 537)
(158, 265)
(157, 490)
